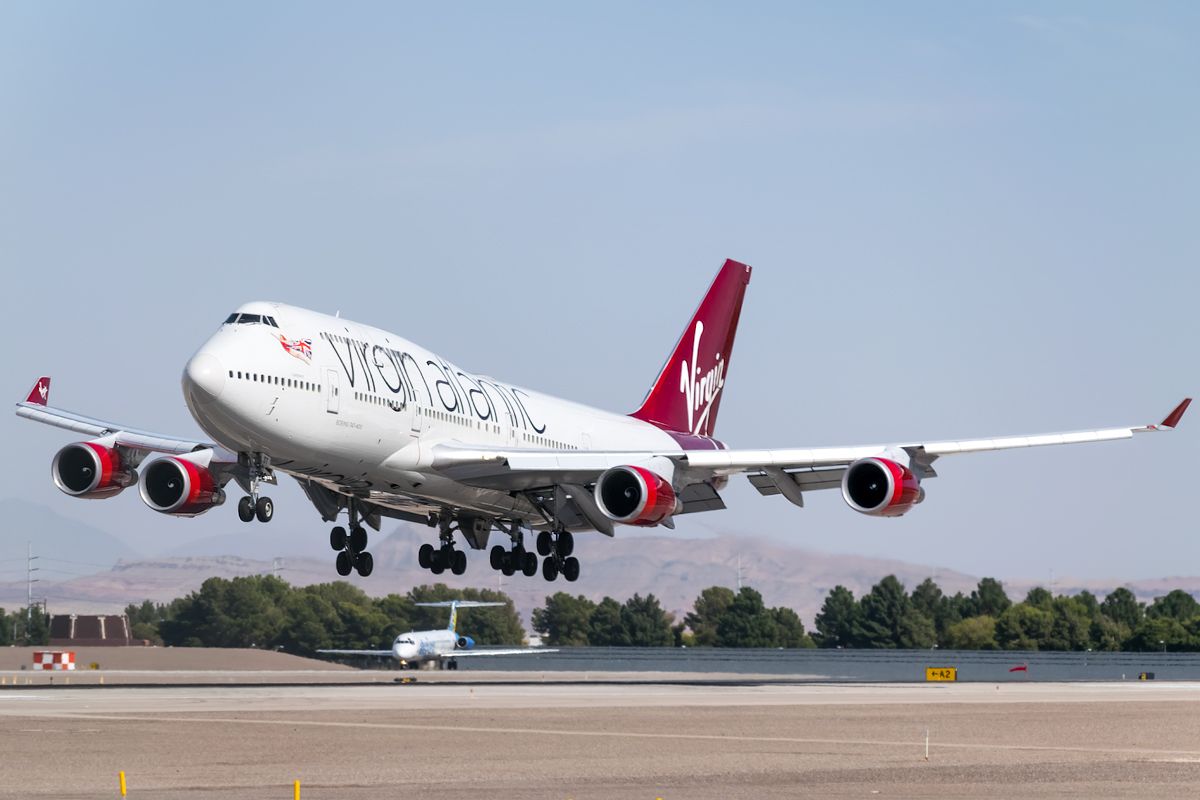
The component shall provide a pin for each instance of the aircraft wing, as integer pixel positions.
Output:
(527, 651)
(810, 468)
(379, 653)
(35, 407)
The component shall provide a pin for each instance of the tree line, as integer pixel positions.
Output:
(720, 618)
(987, 619)
(266, 612)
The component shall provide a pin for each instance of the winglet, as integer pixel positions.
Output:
(1173, 418)
(40, 393)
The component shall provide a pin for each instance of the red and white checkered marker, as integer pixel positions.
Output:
(53, 659)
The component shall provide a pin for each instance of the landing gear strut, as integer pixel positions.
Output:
(445, 556)
(556, 548)
(353, 553)
(518, 559)
(252, 505)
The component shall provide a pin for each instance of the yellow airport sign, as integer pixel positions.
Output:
(941, 673)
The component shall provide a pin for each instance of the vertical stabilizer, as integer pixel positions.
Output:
(453, 616)
(687, 393)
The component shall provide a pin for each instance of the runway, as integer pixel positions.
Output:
(558, 740)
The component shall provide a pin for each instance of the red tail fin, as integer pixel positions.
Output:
(687, 392)
(40, 392)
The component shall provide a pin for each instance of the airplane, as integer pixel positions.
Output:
(373, 425)
(443, 646)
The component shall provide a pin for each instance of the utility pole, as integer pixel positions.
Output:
(276, 566)
(29, 582)
(739, 572)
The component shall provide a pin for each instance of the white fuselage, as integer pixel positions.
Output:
(416, 646)
(359, 409)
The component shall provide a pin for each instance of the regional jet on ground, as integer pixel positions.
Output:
(372, 425)
(443, 646)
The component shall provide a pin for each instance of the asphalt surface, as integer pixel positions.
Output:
(579, 740)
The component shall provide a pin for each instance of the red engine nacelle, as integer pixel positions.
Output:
(91, 470)
(881, 487)
(177, 486)
(635, 496)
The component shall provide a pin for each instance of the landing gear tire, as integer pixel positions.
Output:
(530, 567)
(570, 569)
(425, 556)
(437, 566)
(550, 569)
(496, 557)
(458, 562)
(544, 541)
(509, 566)
(344, 564)
(246, 509)
(264, 509)
(565, 545)
(358, 539)
(337, 538)
(364, 563)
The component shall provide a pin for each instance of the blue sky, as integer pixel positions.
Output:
(965, 219)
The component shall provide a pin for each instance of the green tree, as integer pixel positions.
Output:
(972, 633)
(706, 614)
(989, 598)
(1024, 627)
(1071, 628)
(747, 622)
(242, 612)
(1159, 633)
(606, 628)
(1039, 597)
(1176, 604)
(791, 629)
(564, 620)
(1122, 607)
(1107, 634)
(929, 600)
(836, 621)
(887, 618)
(646, 623)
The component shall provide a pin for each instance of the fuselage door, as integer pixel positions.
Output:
(332, 391)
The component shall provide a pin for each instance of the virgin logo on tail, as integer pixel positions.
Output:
(700, 392)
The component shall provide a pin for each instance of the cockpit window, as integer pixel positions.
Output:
(250, 319)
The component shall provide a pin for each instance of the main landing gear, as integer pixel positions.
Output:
(252, 505)
(352, 547)
(518, 559)
(556, 547)
(445, 556)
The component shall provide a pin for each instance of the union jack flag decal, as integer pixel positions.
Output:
(297, 348)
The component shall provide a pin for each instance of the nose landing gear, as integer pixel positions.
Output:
(253, 506)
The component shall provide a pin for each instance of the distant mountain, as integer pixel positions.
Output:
(63, 544)
(673, 569)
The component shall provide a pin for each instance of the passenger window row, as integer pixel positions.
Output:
(275, 380)
(543, 441)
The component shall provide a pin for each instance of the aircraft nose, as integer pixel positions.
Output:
(205, 375)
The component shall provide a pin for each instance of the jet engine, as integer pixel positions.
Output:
(635, 496)
(177, 486)
(91, 470)
(464, 643)
(880, 487)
